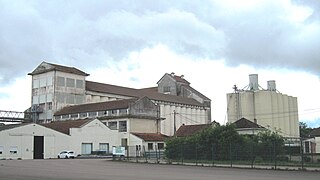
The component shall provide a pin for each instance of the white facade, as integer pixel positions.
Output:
(268, 108)
(18, 142)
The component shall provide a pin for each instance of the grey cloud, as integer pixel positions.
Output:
(79, 33)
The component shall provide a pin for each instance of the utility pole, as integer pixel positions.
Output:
(174, 123)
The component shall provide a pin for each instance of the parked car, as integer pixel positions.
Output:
(66, 155)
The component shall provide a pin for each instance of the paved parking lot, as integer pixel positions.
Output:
(105, 169)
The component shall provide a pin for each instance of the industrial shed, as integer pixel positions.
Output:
(35, 141)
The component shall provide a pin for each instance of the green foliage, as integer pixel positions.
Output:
(223, 143)
(304, 129)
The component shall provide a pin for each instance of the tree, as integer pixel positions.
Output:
(304, 129)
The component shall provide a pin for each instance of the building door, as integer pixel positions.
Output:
(38, 147)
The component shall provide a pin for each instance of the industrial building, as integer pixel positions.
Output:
(266, 107)
(55, 87)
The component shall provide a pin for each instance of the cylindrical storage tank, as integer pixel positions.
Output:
(272, 85)
(253, 82)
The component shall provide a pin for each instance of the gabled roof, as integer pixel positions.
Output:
(11, 126)
(138, 93)
(176, 78)
(151, 136)
(188, 130)
(108, 88)
(245, 123)
(94, 107)
(64, 126)
(47, 67)
(197, 92)
(315, 133)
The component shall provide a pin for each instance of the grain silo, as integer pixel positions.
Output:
(266, 107)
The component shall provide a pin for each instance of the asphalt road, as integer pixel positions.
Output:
(55, 169)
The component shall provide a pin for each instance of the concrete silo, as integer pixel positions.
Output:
(266, 107)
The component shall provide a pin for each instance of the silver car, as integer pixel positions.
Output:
(66, 155)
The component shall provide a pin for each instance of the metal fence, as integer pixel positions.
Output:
(291, 154)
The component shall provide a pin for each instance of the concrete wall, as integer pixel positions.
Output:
(23, 138)
(52, 96)
(272, 110)
(167, 82)
(95, 132)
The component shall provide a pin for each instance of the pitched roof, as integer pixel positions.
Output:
(188, 130)
(180, 79)
(64, 126)
(108, 88)
(315, 133)
(245, 123)
(94, 107)
(151, 136)
(47, 67)
(11, 126)
(197, 92)
(138, 93)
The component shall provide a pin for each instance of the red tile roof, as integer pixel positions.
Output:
(151, 136)
(188, 130)
(64, 126)
(245, 123)
(94, 107)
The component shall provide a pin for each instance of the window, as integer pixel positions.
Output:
(166, 89)
(124, 142)
(42, 98)
(70, 98)
(92, 114)
(35, 83)
(35, 99)
(13, 150)
(70, 82)
(49, 81)
(86, 148)
(49, 97)
(83, 115)
(104, 147)
(1, 149)
(114, 112)
(122, 111)
(161, 146)
(112, 125)
(79, 84)
(122, 126)
(150, 146)
(49, 106)
(74, 116)
(43, 82)
(60, 81)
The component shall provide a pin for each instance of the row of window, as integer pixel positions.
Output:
(114, 112)
(113, 125)
(69, 82)
(12, 149)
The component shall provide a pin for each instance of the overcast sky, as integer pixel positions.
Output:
(214, 44)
